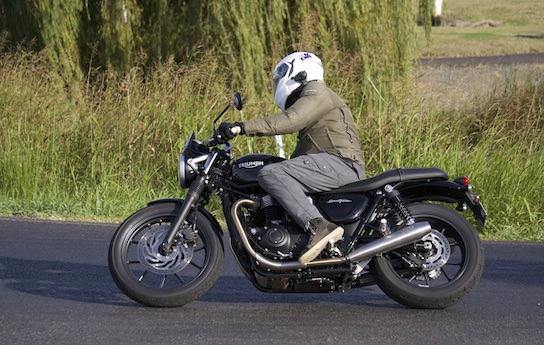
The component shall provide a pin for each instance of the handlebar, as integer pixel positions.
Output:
(209, 142)
(217, 139)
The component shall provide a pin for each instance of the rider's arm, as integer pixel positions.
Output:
(312, 104)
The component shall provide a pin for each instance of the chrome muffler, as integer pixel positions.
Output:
(401, 238)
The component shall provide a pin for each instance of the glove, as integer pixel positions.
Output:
(230, 130)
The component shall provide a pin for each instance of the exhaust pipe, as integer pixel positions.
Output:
(396, 240)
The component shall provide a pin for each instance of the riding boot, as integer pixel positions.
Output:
(321, 232)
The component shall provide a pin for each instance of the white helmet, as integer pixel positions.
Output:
(291, 72)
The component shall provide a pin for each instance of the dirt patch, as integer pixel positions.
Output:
(454, 86)
(476, 24)
(530, 35)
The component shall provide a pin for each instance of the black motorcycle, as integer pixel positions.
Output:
(399, 234)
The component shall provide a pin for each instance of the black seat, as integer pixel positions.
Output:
(391, 177)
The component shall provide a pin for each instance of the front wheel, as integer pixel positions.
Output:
(155, 280)
(437, 271)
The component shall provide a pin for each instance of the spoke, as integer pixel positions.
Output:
(426, 275)
(179, 278)
(132, 262)
(453, 264)
(199, 249)
(143, 275)
(197, 266)
(163, 281)
(446, 275)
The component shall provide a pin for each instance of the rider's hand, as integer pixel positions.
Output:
(230, 130)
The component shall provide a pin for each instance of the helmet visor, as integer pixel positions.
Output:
(279, 73)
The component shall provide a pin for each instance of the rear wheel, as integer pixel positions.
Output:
(437, 271)
(152, 279)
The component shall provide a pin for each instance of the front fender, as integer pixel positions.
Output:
(215, 224)
(443, 191)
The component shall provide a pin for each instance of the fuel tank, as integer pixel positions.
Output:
(246, 168)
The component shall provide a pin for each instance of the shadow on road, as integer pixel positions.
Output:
(93, 284)
(62, 280)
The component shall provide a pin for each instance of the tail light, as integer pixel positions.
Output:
(463, 181)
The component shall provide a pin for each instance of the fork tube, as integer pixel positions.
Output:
(192, 197)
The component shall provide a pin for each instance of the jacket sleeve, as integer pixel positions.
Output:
(312, 104)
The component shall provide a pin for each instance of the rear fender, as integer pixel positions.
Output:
(442, 191)
(215, 224)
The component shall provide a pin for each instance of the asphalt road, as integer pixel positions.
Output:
(55, 288)
(514, 59)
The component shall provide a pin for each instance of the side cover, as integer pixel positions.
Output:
(343, 208)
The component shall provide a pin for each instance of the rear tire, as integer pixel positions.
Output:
(438, 271)
(164, 281)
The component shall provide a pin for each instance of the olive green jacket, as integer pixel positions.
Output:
(323, 121)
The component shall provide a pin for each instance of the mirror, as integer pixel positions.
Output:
(237, 101)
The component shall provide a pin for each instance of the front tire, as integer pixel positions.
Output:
(438, 271)
(155, 280)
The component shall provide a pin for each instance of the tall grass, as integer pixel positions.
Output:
(106, 150)
(496, 140)
(247, 37)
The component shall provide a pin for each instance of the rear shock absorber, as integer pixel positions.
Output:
(393, 196)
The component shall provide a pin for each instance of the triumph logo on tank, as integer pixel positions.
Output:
(339, 201)
(250, 165)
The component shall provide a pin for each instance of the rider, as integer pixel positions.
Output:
(327, 154)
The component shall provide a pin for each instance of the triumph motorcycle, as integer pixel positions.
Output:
(401, 233)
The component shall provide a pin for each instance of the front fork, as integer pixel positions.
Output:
(192, 198)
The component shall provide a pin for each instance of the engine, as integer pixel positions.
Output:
(273, 232)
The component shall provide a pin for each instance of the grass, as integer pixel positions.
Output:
(105, 152)
(102, 149)
(486, 27)
(504, 168)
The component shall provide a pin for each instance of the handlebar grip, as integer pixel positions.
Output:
(236, 130)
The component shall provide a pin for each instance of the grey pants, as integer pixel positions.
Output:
(289, 181)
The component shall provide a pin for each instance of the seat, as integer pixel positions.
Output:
(391, 177)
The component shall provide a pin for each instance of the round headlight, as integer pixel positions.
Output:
(185, 172)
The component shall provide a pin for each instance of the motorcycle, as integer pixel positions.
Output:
(400, 233)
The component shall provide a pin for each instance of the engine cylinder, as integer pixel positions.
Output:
(273, 211)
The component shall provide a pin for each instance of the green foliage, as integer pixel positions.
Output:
(107, 151)
(247, 37)
(497, 142)
(57, 26)
(92, 126)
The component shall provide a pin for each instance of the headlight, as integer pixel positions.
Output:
(186, 174)
(193, 154)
